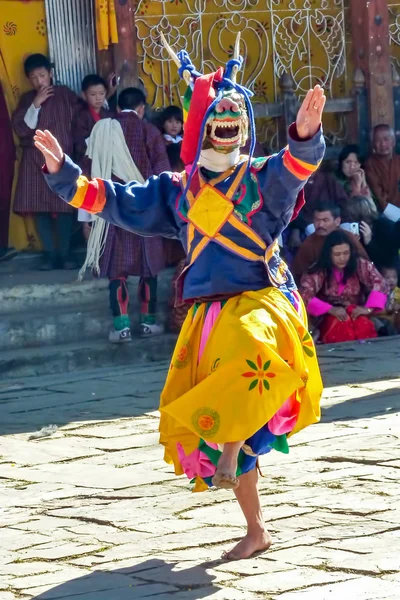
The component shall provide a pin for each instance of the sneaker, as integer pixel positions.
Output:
(120, 337)
(151, 330)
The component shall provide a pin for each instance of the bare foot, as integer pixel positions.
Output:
(250, 545)
(227, 481)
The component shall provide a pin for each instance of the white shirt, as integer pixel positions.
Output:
(31, 117)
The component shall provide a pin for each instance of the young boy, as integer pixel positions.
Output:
(49, 107)
(94, 93)
(91, 111)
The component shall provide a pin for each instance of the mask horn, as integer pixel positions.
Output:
(236, 55)
(186, 74)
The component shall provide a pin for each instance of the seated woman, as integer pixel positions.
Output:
(344, 291)
(351, 175)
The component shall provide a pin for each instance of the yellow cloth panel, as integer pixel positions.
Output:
(258, 354)
(298, 37)
(106, 24)
(207, 221)
(22, 32)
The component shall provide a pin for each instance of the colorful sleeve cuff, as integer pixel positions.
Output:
(299, 168)
(317, 307)
(376, 300)
(89, 195)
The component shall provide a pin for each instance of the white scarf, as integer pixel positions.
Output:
(110, 155)
(218, 162)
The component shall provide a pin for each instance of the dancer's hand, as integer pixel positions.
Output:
(51, 150)
(309, 116)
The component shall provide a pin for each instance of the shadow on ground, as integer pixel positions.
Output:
(366, 407)
(151, 579)
(28, 404)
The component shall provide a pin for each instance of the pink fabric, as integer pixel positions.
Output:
(338, 275)
(196, 464)
(297, 303)
(211, 317)
(286, 418)
(376, 300)
(317, 307)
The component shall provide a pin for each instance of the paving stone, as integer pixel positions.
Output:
(317, 556)
(18, 569)
(288, 580)
(97, 495)
(51, 578)
(361, 588)
(55, 551)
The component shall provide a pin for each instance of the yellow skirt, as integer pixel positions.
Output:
(258, 354)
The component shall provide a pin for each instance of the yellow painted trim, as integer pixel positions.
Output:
(247, 231)
(238, 249)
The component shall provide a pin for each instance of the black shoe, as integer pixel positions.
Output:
(46, 263)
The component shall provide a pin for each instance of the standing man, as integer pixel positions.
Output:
(49, 107)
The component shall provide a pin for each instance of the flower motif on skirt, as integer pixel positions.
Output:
(182, 356)
(206, 422)
(260, 374)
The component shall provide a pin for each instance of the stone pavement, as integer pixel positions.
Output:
(93, 513)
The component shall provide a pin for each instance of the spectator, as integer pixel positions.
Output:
(321, 185)
(46, 106)
(94, 93)
(380, 236)
(383, 172)
(326, 219)
(351, 175)
(91, 111)
(141, 148)
(344, 290)
(388, 321)
(170, 124)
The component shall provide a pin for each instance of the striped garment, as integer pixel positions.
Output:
(127, 253)
(33, 194)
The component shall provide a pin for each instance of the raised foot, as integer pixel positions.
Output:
(249, 546)
(224, 480)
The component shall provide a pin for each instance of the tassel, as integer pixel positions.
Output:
(95, 246)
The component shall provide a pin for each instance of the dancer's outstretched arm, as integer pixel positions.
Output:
(285, 174)
(146, 209)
